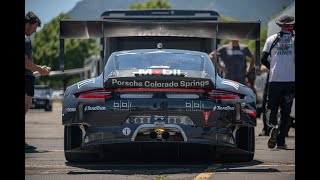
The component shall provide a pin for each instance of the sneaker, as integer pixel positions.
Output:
(273, 138)
(29, 147)
(282, 146)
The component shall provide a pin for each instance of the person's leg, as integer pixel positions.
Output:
(29, 92)
(27, 103)
(265, 128)
(284, 123)
(274, 97)
(273, 103)
(285, 106)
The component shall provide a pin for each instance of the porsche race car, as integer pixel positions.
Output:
(156, 100)
(159, 96)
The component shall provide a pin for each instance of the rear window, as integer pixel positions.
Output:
(159, 61)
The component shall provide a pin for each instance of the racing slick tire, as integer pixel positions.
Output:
(245, 138)
(73, 140)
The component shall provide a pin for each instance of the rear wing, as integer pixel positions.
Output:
(163, 14)
(80, 29)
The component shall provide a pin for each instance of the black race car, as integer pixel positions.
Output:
(42, 98)
(158, 101)
(159, 96)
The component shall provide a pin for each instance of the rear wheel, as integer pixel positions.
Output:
(72, 146)
(72, 140)
(245, 139)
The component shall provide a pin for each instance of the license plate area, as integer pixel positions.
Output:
(159, 119)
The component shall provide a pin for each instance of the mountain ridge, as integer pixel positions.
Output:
(245, 10)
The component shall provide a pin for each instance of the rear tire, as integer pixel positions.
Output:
(72, 140)
(245, 139)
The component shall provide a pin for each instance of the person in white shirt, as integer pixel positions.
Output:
(281, 90)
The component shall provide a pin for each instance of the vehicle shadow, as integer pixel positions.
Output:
(164, 167)
(35, 151)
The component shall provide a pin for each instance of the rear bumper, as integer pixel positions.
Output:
(182, 141)
(159, 133)
(162, 152)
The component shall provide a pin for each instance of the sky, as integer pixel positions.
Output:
(46, 10)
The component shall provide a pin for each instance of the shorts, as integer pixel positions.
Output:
(29, 85)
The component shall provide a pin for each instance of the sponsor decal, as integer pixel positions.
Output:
(84, 82)
(206, 116)
(194, 106)
(127, 83)
(194, 83)
(94, 108)
(159, 124)
(69, 110)
(222, 108)
(126, 131)
(156, 84)
(143, 72)
(122, 105)
(234, 84)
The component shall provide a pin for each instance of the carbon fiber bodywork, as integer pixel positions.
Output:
(158, 105)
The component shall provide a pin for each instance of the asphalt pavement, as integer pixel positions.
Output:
(45, 131)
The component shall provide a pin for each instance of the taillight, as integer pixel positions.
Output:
(222, 95)
(96, 94)
(253, 114)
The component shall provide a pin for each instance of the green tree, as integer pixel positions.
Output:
(46, 48)
(251, 43)
(152, 4)
(227, 18)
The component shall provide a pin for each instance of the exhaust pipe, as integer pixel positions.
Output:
(159, 134)
(165, 135)
(153, 135)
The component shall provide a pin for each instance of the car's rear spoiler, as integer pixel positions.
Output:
(77, 29)
(80, 29)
